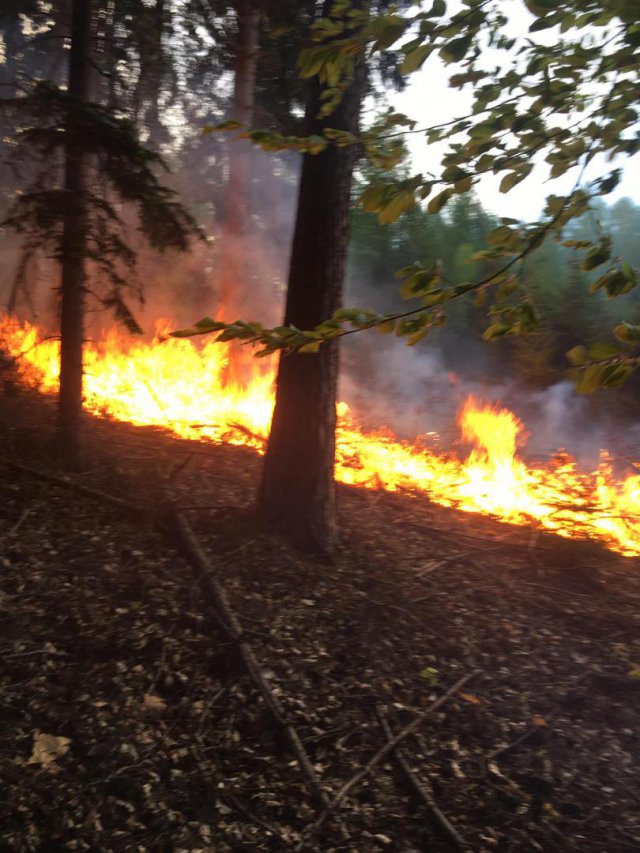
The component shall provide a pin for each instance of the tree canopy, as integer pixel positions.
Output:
(570, 101)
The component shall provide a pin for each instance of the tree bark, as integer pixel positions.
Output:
(73, 251)
(297, 492)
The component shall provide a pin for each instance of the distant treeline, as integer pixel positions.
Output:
(552, 279)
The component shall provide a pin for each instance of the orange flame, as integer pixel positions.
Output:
(186, 388)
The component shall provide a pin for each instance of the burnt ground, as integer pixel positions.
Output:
(158, 738)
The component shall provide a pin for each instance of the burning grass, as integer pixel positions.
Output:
(207, 393)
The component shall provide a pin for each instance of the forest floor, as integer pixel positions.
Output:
(128, 721)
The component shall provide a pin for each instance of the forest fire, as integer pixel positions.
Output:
(186, 389)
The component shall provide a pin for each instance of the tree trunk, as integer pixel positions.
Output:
(72, 252)
(232, 269)
(297, 493)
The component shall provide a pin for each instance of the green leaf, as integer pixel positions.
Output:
(481, 298)
(540, 8)
(387, 30)
(455, 50)
(416, 337)
(463, 185)
(434, 297)
(420, 283)
(615, 375)
(627, 333)
(628, 272)
(617, 284)
(591, 379)
(373, 198)
(386, 328)
(311, 347)
(507, 288)
(202, 327)
(499, 236)
(208, 324)
(230, 124)
(430, 675)
(311, 61)
(415, 58)
(608, 184)
(393, 209)
(540, 24)
(596, 256)
(496, 330)
(438, 201)
(577, 244)
(510, 180)
(603, 351)
(578, 356)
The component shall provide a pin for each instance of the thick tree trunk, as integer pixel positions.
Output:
(297, 493)
(232, 272)
(72, 253)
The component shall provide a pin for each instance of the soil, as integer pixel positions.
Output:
(128, 721)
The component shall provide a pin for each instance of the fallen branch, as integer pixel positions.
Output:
(217, 596)
(68, 483)
(422, 790)
(373, 762)
(225, 615)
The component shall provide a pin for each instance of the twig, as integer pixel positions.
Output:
(422, 790)
(179, 467)
(237, 802)
(15, 655)
(411, 727)
(503, 750)
(20, 521)
(217, 596)
(161, 667)
(68, 483)
(432, 565)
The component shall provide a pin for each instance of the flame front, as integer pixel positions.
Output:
(190, 390)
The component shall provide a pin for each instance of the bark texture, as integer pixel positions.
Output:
(297, 493)
(73, 250)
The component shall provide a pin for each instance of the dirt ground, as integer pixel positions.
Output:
(128, 721)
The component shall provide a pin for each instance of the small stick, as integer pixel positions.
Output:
(230, 623)
(67, 483)
(407, 730)
(422, 790)
(257, 820)
(179, 467)
(20, 521)
(502, 750)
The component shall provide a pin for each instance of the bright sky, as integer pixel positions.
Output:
(429, 100)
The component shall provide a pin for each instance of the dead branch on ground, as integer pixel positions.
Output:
(373, 762)
(421, 789)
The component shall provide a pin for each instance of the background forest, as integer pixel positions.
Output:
(172, 71)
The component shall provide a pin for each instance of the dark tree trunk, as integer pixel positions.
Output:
(72, 252)
(297, 493)
(232, 272)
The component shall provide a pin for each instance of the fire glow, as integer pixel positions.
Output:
(188, 389)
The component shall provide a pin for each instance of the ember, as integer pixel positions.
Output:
(186, 388)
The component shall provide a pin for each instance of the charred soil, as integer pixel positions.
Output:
(129, 721)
